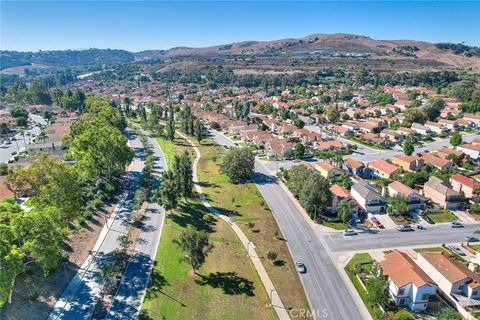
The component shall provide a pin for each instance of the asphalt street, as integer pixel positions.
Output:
(326, 291)
(18, 142)
(131, 292)
(80, 296)
(383, 239)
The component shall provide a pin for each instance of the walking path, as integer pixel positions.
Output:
(249, 246)
(79, 298)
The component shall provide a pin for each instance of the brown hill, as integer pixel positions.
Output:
(335, 45)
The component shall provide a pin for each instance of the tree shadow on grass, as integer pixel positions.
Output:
(191, 214)
(230, 282)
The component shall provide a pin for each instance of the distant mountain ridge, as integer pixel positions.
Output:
(332, 44)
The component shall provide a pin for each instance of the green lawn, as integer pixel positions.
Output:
(442, 216)
(174, 293)
(433, 249)
(246, 204)
(336, 225)
(374, 309)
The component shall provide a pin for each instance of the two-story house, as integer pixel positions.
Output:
(367, 197)
(408, 284)
(383, 169)
(414, 199)
(442, 195)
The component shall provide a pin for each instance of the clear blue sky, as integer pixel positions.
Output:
(135, 25)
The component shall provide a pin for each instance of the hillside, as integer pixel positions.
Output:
(307, 54)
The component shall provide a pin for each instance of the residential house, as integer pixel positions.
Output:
(451, 125)
(408, 284)
(472, 149)
(368, 198)
(329, 145)
(277, 148)
(421, 129)
(442, 195)
(339, 193)
(464, 185)
(455, 279)
(414, 199)
(375, 139)
(444, 152)
(383, 169)
(367, 127)
(403, 131)
(4, 191)
(328, 170)
(407, 163)
(354, 167)
(436, 162)
(437, 128)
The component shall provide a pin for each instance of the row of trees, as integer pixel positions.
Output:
(176, 182)
(311, 189)
(61, 193)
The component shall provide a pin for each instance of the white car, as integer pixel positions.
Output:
(349, 232)
(300, 266)
(456, 224)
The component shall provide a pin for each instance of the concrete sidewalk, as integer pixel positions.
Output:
(249, 246)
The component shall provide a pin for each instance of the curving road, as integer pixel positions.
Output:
(326, 291)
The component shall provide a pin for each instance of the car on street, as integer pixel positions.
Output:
(349, 232)
(300, 266)
(405, 227)
(456, 249)
(456, 224)
(471, 239)
(13, 153)
(420, 227)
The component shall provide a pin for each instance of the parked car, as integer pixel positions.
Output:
(456, 249)
(349, 232)
(420, 227)
(300, 266)
(377, 223)
(471, 239)
(405, 227)
(456, 224)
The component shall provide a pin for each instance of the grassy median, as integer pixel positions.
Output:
(253, 216)
(228, 286)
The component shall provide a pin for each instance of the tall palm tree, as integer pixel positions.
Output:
(344, 209)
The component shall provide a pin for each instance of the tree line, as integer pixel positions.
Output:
(61, 195)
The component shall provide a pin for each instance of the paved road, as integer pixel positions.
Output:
(131, 292)
(433, 235)
(80, 296)
(324, 287)
(18, 143)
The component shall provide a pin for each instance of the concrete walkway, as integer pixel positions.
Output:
(249, 246)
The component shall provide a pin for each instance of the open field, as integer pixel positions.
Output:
(217, 292)
(247, 205)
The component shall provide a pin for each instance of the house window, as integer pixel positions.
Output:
(474, 292)
(460, 288)
(425, 296)
(401, 301)
(401, 291)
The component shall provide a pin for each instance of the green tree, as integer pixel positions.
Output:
(296, 177)
(399, 204)
(197, 246)
(299, 150)
(448, 314)
(183, 172)
(170, 128)
(456, 139)
(315, 194)
(403, 315)
(433, 107)
(167, 194)
(344, 209)
(414, 115)
(238, 164)
(11, 262)
(408, 147)
(377, 285)
(333, 114)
